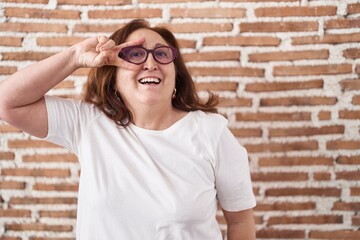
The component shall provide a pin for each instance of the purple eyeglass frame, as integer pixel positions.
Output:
(123, 53)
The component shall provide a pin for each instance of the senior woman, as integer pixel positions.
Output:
(155, 159)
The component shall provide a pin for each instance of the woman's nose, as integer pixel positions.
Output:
(150, 63)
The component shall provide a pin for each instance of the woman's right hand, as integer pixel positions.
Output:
(101, 51)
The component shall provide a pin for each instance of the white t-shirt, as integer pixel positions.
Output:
(144, 184)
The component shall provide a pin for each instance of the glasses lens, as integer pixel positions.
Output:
(135, 55)
(163, 54)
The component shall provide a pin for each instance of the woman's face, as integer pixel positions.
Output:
(152, 82)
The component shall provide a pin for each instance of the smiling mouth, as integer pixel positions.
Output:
(149, 81)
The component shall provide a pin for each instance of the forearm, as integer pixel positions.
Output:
(31, 83)
(241, 231)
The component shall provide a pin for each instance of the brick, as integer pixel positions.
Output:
(357, 69)
(96, 28)
(350, 160)
(42, 200)
(342, 23)
(346, 206)
(168, 1)
(298, 101)
(217, 86)
(35, 172)
(349, 114)
(65, 84)
(285, 206)
(185, 43)
(329, 69)
(288, 55)
(353, 8)
(11, 41)
(15, 213)
(337, 234)
(296, 11)
(28, 1)
(324, 115)
(343, 144)
(126, 13)
(214, 12)
(7, 70)
(280, 233)
(282, 147)
(278, 27)
(58, 214)
(327, 39)
(33, 27)
(58, 41)
(41, 13)
(93, 2)
(235, 102)
(9, 238)
(30, 144)
(241, 41)
(320, 219)
(273, 116)
(278, 176)
(306, 131)
(348, 175)
(38, 227)
(246, 132)
(26, 56)
(355, 191)
(12, 185)
(350, 84)
(198, 27)
(356, 100)
(355, 220)
(322, 176)
(62, 187)
(352, 53)
(295, 161)
(37, 158)
(283, 86)
(7, 156)
(81, 72)
(227, 71)
(212, 56)
(323, 192)
(5, 128)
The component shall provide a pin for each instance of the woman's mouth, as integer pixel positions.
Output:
(149, 81)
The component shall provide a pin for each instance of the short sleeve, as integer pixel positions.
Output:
(233, 181)
(63, 122)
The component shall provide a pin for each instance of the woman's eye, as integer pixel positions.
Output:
(136, 53)
(162, 53)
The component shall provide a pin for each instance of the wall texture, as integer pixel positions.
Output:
(288, 75)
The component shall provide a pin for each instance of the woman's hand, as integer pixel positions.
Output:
(101, 51)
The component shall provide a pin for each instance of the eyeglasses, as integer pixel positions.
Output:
(139, 54)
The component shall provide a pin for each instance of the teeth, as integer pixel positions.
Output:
(149, 80)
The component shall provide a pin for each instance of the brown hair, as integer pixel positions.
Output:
(99, 88)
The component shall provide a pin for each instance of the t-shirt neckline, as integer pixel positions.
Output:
(173, 127)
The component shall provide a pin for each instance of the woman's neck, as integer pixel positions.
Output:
(156, 117)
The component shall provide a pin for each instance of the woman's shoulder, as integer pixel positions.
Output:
(208, 119)
(77, 106)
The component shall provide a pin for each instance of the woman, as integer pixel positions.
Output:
(154, 159)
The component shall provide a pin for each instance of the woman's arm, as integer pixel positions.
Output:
(240, 225)
(21, 95)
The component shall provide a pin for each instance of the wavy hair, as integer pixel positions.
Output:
(100, 85)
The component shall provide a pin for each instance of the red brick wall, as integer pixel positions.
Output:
(288, 75)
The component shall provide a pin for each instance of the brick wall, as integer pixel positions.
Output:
(288, 75)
